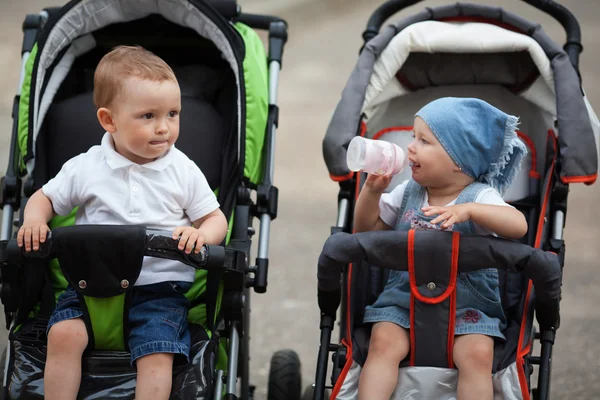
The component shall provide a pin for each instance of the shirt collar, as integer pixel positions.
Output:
(116, 160)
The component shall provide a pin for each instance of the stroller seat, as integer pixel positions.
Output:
(221, 67)
(461, 50)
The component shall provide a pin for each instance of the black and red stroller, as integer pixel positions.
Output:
(461, 50)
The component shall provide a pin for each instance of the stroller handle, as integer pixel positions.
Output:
(227, 8)
(559, 12)
(258, 21)
(158, 243)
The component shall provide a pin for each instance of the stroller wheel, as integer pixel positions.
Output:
(285, 379)
(309, 393)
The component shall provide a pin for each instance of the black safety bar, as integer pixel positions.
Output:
(158, 244)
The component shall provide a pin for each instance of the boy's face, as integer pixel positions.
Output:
(145, 119)
(431, 165)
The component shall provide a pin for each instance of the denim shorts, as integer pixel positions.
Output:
(478, 303)
(157, 318)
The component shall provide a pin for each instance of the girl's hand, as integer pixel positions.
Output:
(377, 183)
(449, 215)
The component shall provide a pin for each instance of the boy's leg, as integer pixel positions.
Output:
(473, 356)
(154, 375)
(388, 346)
(67, 341)
(158, 331)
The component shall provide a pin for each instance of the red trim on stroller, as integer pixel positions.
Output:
(449, 292)
(405, 82)
(414, 291)
(587, 179)
(341, 178)
(533, 170)
(391, 129)
(342, 377)
(348, 341)
(452, 317)
(523, 351)
(411, 332)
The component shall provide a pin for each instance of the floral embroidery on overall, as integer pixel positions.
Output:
(471, 316)
(412, 217)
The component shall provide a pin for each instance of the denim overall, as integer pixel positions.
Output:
(478, 302)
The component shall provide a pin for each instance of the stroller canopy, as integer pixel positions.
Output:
(67, 36)
(466, 45)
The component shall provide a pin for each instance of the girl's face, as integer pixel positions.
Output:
(431, 165)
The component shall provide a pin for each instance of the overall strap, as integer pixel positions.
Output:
(413, 197)
(468, 195)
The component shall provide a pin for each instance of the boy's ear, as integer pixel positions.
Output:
(105, 117)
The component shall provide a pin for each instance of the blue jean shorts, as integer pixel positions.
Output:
(478, 303)
(157, 318)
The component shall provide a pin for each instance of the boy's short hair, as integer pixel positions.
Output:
(127, 62)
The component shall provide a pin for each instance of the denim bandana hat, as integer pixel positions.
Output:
(480, 139)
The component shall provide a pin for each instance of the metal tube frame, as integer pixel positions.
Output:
(232, 367)
(265, 219)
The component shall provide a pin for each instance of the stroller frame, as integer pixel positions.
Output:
(557, 193)
(16, 190)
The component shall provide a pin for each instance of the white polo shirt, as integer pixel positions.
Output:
(112, 190)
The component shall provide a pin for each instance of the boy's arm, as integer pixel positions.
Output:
(502, 220)
(38, 212)
(210, 229)
(366, 211)
(212, 226)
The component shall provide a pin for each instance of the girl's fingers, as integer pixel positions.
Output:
(429, 211)
(451, 221)
(441, 218)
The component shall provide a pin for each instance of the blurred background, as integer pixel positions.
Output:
(324, 40)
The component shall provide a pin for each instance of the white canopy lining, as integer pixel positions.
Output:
(461, 37)
(469, 37)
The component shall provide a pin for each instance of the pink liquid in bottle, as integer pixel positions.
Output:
(375, 156)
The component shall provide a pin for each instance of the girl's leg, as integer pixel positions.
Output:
(389, 345)
(473, 356)
(67, 341)
(154, 376)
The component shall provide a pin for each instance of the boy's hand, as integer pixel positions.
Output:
(450, 215)
(32, 233)
(377, 183)
(188, 238)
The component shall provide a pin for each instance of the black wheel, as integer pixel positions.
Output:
(285, 378)
(309, 393)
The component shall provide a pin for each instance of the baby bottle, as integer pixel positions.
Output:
(375, 156)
